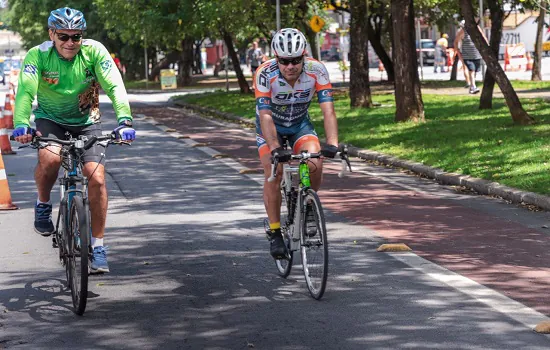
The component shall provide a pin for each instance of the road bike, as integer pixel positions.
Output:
(72, 236)
(303, 227)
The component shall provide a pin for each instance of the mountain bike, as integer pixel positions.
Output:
(72, 236)
(303, 227)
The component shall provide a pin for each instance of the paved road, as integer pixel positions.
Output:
(190, 269)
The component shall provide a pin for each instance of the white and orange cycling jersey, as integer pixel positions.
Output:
(289, 105)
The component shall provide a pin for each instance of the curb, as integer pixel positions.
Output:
(481, 186)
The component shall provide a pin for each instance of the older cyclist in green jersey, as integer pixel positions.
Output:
(65, 74)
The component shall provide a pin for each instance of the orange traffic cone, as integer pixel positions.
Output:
(380, 66)
(8, 109)
(5, 196)
(5, 145)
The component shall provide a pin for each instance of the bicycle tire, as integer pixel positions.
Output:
(314, 248)
(61, 237)
(284, 266)
(78, 262)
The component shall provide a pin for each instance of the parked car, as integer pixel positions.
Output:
(428, 52)
(330, 55)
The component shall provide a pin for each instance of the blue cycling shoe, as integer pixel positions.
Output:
(43, 219)
(99, 261)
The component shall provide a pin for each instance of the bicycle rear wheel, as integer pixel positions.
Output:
(283, 265)
(314, 248)
(77, 256)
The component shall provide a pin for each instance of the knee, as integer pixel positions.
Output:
(97, 181)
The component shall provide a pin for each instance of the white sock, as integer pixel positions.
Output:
(39, 202)
(97, 242)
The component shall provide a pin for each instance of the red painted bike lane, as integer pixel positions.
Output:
(503, 255)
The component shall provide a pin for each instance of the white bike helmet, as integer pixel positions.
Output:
(289, 42)
(66, 18)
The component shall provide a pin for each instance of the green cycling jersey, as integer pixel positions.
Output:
(68, 91)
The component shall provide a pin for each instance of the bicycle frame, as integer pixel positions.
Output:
(68, 185)
(295, 198)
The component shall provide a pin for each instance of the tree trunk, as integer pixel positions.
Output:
(185, 63)
(375, 39)
(170, 58)
(537, 60)
(497, 18)
(301, 17)
(243, 84)
(519, 116)
(408, 97)
(359, 87)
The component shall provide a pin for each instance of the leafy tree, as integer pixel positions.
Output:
(519, 115)
(497, 20)
(378, 24)
(360, 93)
(542, 7)
(408, 96)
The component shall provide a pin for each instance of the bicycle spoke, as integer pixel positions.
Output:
(314, 246)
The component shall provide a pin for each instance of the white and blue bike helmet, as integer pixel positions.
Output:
(66, 18)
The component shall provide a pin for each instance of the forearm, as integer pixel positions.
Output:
(269, 131)
(330, 123)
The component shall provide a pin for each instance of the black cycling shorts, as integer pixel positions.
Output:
(49, 128)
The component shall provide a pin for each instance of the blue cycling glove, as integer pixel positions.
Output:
(125, 132)
(23, 130)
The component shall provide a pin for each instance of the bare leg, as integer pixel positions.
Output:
(272, 191)
(45, 173)
(97, 195)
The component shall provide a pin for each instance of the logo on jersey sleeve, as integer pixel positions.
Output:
(325, 96)
(106, 65)
(30, 69)
(263, 103)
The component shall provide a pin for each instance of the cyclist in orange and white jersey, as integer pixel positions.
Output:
(284, 87)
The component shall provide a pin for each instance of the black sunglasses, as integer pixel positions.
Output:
(65, 37)
(286, 61)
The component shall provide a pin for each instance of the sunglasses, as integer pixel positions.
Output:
(65, 37)
(286, 61)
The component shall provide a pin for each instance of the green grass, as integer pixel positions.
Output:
(236, 103)
(142, 84)
(456, 136)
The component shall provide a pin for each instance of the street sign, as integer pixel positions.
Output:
(168, 79)
(316, 23)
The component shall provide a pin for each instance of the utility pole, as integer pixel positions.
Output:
(278, 10)
(420, 53)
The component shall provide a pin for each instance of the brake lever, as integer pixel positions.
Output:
(348, 163)
(127, 143)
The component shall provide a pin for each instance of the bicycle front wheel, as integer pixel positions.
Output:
(77, 243)
(314, 247)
